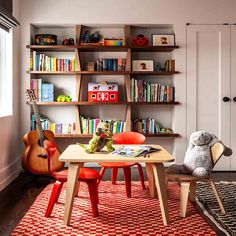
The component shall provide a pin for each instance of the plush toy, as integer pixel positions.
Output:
(197, 161)
(64, 98)
(101, 138)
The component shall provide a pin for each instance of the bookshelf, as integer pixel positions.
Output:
(80, 76)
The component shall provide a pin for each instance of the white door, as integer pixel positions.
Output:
(208, 82)
(233, 96)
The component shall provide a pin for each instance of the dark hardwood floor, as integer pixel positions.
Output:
(17, 197)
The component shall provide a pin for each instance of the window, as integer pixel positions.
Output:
(6, 85)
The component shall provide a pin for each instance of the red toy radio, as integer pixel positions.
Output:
(102, 92)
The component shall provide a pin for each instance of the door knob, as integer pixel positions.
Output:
(234, 99)
(227, 99)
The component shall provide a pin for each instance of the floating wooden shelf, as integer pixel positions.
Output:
(102, 72)
(153, 48)
(101, 48)
(48, 48)
(173, 135)
(84, 103)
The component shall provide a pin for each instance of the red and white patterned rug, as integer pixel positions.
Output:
(136, 216)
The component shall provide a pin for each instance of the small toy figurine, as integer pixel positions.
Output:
(90, 38)
(140, 40)
(64, 98)
(69, 41)
(101, 138)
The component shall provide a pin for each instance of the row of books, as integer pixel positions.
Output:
(142, 91)
(170, 65)
(56, 128)
(44, 92)
(42, 62)
(88, 125)
(146, 126)
(101, 64)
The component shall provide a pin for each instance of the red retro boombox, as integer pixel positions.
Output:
(102, 92)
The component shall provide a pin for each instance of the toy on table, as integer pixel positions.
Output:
(140, 40)
(69, 41)
(64, 98)
(197, 161)
(101, 138)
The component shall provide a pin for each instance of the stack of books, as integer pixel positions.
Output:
(110, 64)
(88, 125)
(142, 91)
(170, 65)
(56, 128)
(44, 91)
(42, 62)
(145, 126)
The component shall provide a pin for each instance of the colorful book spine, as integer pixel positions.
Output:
(145, 126)
(148, 92)
(42, 62)
(88, 125)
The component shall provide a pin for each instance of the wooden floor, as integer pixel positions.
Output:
(16, 199)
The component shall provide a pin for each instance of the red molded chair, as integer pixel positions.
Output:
(89, 176)
(124, 138)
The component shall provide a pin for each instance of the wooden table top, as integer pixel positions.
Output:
(75, 153)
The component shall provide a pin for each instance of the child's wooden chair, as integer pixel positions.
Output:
(188, 182)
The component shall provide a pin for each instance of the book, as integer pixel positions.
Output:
(47, 92)
(134, 151)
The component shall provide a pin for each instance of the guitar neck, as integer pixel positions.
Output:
(37, 119)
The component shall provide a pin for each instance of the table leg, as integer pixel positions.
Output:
(81, 165)
(159, 175)
(151, 180)
(70, 193)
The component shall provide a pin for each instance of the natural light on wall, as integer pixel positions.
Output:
(6, 85)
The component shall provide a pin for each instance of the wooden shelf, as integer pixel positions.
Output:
(154, 103)
(73, 135)
(51, 72)
(153, 48)
(102, 72)
(164, 135)
(49, 48)
(154, 72)
(101, 48)
(84, 103)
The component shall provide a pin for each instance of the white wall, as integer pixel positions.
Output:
(9, 126)
(176, 12)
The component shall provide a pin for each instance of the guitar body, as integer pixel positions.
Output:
(31, 159)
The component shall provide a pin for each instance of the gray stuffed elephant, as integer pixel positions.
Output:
(197, 161)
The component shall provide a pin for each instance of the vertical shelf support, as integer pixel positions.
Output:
(128, 118)
(127, 35)
(127, 78)
(78, 79)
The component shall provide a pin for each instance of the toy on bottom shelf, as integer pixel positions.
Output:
(64, 98)
(198, 160)
(101, 138)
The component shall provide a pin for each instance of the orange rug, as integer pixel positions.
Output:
(136, 216)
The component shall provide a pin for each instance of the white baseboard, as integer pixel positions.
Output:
(9, 173)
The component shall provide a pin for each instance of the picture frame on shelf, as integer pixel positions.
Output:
(143, 65)
(163, 40)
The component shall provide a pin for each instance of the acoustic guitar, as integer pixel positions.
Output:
(35, 157)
